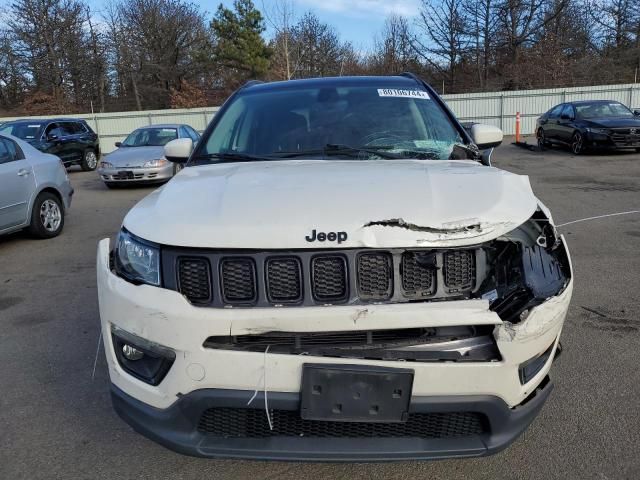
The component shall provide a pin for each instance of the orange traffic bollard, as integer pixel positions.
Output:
(517, 127)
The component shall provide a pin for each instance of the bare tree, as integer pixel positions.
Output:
(280, 15)
(444, 37)
(393, 49)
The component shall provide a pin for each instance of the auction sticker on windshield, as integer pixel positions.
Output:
(394, 92)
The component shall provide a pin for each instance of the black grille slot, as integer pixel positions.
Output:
(460, 269)
(375, 276)
(418, 274)
(238, 280)
(252, 423)
(329, 278)
(194, 279)
(294, 340)
(284, 280)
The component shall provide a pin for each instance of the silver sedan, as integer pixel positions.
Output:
(140, 157)
(35, 191)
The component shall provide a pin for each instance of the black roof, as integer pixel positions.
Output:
(398, 81)
(45, 120)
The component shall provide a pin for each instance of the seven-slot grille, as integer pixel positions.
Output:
(238, 280)
(354, 276)
(284, 280)
(459, 269)
(329, 277)
(375, 276)
(418, 280)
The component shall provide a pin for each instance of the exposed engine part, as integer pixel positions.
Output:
(526, 268)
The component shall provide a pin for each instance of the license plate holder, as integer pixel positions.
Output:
(355, 393)
(128, 174)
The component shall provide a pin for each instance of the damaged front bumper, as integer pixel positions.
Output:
(203, 376)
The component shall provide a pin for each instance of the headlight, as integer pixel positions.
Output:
(137, 260)
(160, 162)
(601, 131)
(106, 165)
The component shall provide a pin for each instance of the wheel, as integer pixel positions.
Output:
(542, 140)
(89, 161)
(577, 143)
(47, 216)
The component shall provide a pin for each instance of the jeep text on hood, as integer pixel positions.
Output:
(337, 274)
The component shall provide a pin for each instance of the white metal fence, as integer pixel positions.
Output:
(497, 108)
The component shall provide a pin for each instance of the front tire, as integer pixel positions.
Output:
(89, 161)
(577, 143)
(47, 216)
(542, 139)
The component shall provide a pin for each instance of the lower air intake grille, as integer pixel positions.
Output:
(194, 279)
(252, 423)
(238, 280)
(375, 276)
(459, 269)
(418, 279)
(284, 280)
(329, 278)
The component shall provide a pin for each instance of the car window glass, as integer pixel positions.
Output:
(308, 119)
(23, 130)
(603, 110)
(195, 136)
(567, 111)
(184, 133)
(76, 127)
(555, 111)
(145, 137)
(7, 154)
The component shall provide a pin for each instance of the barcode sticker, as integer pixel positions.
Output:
(394, 92)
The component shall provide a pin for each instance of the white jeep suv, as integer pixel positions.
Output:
(337, 274)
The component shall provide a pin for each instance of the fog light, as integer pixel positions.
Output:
(132, 353)
(145, 360)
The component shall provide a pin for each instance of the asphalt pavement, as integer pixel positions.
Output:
(56, 420)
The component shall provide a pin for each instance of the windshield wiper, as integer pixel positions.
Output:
(229, 156)
(331, 149)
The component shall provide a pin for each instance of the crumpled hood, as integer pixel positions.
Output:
(133, 156)
(279, 204)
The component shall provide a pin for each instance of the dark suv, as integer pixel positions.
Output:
(72, 140)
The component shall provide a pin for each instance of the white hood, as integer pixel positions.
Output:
(277, 204)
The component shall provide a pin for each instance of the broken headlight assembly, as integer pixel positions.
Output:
(136, 260)
(525, 268)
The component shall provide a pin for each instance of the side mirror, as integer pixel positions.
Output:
(179, 150)
(564, 116)
(51, 137)
(486, 136)
(636, 113)
(118, 144)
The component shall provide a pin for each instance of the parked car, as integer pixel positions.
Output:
(590, 124)
(140, 157)
(35, 191)
(71, 140)
(337, 274)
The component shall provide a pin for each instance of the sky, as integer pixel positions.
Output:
(357, 21)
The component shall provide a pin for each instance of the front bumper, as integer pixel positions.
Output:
(177, 428)
(168, 412)
(137, 175)
(612, 142)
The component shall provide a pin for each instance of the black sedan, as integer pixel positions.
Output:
(590, 124)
